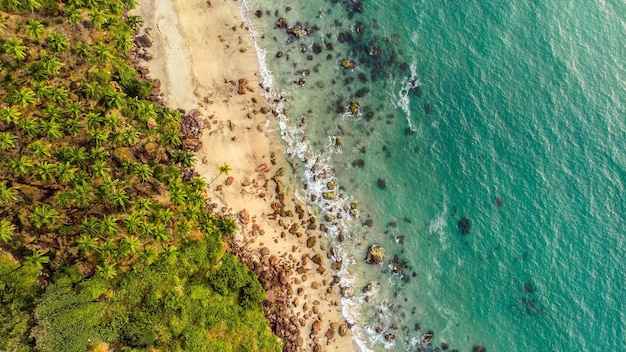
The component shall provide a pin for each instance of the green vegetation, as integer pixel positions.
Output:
(104, 245)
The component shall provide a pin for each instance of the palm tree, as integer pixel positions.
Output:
(184, 157)
(103, 53)
(41, 90)
(169, 254)
(65, 172)
(74, 15)
(224, 169)
(148, 255)
(144, 204)
(10, 114)
(46, 171)
(98, 135)
(40, 149)
(72, 127)
(183, 227)
(21, 165)
(112, 98)
(86, 244)
(106, 249)
(82, 178)
(94, 120)
(77, 156)
(35, 28)
(120, 198)
(22, 96)
(124, 42)
(107, 270)
(29, 126)
(108, 225)
(130, 244)
(82, 50)
(73, 108)
(145, 111)
(57, 42)
(133, 223)
(133, 21)
(50, 64)
(198, 184)
(63, 199)
(8, 195)
(59, 95)
(177, 194)
(99, 154)
(7, 140)
(99, 168)
(108, 184)
(128, 136)
(44, 215)
(15, 47)
(7, 230)
(52, 129)
(51, 112)
(144, 172)
(146, 229)
(113, 121)
(160, 233)
(170, 137)
(83, 194)
(33, 5)
(36, 260)
(89, 226)
(97, 18)
(228, 226)
(164, 215)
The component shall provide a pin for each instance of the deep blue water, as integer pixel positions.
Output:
(518, 125)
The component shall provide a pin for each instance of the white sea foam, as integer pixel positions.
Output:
(317, 173)
(404, 99)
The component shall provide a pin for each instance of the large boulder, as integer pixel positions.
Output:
(464, 226)
(374, 254)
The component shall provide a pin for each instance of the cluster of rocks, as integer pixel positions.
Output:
(297, 31)
(295, 315)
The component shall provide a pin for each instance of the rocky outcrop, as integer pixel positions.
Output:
(374, 254)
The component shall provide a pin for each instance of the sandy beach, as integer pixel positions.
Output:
(204, 59)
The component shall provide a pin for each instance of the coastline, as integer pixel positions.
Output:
(205, 59)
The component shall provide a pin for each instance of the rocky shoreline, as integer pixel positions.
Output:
(226, 119)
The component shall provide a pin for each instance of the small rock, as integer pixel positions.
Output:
(330, 334)
(316, 327)
(348, 64)
(310, 242)
(244, 217)
(242, 86)
(317, 259)
(342, 330)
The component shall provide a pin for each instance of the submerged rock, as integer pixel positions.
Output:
(281, 23)
(464, 226)
(479, 348)
(382, 184)
(374, 254)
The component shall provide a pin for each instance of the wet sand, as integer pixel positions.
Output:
(204, 59)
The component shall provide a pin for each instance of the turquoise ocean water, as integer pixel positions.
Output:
(508, 114)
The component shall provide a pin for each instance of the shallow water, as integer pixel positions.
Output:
(517, 125)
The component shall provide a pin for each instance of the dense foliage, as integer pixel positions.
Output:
(105, 242)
